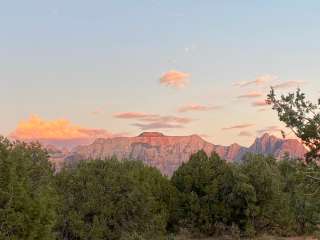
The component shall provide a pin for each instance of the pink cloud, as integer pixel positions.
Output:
(260, 103)
(148, 121)
(162, 122)
(240, 126)
(251, 95)
(270, 129)
(245, 134)
(133, 115)
(157, 125)
(181, 120)
(57, 131)
(98, 111)
(175, 79)
(288, 84)
(258, 81)
(196, 108)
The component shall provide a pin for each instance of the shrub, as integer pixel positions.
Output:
(27, 195)
(112, 199)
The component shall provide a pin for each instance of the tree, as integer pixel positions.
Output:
(214, 195)
(272, 212)
(113, 200)
(27, 195)
(303, 195)
(302, 117)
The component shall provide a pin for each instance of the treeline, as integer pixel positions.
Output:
(125, 200)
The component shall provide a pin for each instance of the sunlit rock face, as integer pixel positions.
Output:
(167, 153)
(270, 145)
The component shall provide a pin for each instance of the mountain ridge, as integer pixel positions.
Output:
(167, 153)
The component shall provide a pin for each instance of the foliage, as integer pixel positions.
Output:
(27, 196)
(213, 193)
(303, 194)
(272, 214)
(117, 200)
(257, 195)
(113, 200)
(302, 117)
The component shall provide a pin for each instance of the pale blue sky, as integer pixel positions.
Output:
(66, 59)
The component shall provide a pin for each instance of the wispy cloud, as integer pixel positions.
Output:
(147, 121)
(197, 108)
(258, 81)
(245, 134)
(260, 103)
(157, 125)
(174, 119)
(174, 79)
(251, 95)
(240, 126)
(288, 84)
(134, 115)
(97, 111)
(269, 129)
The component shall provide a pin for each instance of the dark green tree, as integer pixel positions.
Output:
(114, 199)
(272, 212)
(213, 194)
(303, 195)
(27, 195)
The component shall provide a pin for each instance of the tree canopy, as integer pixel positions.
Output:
(27, 194)
(114, 199)
(302, 117)
(127, 200)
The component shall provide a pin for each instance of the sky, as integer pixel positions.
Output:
(86, 69)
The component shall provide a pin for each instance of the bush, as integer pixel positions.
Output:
(257, 195)
(111, 200)
(27, 195)
(303, 194)
(214, 195)
(116, 200)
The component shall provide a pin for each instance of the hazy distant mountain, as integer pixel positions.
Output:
(271, 145)
(57, 155)
(167, 153)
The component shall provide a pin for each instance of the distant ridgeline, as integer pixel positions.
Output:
(167, 153)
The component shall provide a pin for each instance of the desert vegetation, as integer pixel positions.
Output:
(124, 199)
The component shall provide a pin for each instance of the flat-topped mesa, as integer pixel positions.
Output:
(151, 134)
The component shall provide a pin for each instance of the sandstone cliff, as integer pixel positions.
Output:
(167, 153)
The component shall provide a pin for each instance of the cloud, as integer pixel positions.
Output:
(240, 126)
(175, 79)
(245, 134)
(133, 115)
(270, 129)
(260, 103)
(196, 108)
(258, 81)
(288, 84)
(162, 122)
(97, 111)
(149, 117)
(38, 129)
(157, 125)
(175, 119)
(146, 121)
(251, 95)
